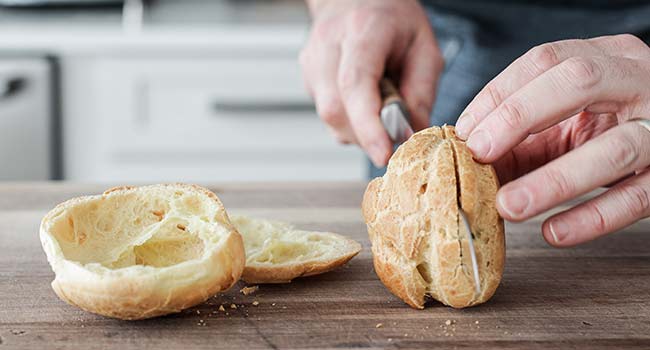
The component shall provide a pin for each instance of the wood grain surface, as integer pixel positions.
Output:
(593, 296)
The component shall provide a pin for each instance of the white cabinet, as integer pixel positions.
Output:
(27, 124)
(222, 118)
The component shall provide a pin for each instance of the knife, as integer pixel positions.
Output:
(394, 114)
(472, 251)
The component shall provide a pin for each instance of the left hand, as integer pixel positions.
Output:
(559, 121)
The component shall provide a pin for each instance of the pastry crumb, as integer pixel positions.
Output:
(379, 325)
(249, 290)
(221, 308)
(255, 303)
(476, 322)
(449, 322)
(233, 306)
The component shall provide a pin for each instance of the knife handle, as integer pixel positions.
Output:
(389, 93)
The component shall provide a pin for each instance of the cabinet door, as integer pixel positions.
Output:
(245, 119)
(26, 146)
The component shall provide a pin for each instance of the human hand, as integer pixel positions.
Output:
(351, 44)
(562, 118)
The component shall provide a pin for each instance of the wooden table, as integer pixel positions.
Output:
(593, 296)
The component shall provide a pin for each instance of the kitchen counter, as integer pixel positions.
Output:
(593, 296)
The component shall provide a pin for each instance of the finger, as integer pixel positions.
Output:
(558, 94)
(602, 160)
(537, 61)
(541, 148)
(620, 206)
(422, 66)
(622, 45)
(362, 66)
(320, 67)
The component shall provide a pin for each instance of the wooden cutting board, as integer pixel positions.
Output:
(594, 296)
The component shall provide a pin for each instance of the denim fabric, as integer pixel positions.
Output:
(479, 39)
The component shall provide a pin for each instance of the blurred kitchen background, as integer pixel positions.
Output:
(149, 91)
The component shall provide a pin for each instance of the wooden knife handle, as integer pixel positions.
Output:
(389, 92)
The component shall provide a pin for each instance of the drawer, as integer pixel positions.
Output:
(221, 119)
(224, 105)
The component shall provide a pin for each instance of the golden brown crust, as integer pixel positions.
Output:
(144, 291)
(287, 272)
(418, 245)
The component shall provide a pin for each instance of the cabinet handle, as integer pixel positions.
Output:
(10, 87)
(263, 107)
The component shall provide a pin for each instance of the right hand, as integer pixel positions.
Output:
(351, 44)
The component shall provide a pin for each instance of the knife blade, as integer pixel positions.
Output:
(472, 251)
(394, 114)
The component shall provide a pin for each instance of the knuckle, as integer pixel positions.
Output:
(597, 217)
(622, 152)
(513, 114)
(495, 95)
(636, 199)
(629, 41)
(581, 72)
(559, 185)
(323, 30)
(360, 17)
(341, 139)
(349, 78)
(331, 114)
(544, 57)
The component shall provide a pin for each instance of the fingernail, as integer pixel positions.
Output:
(515, 202)
(462, 125)
(559, 230)
(479, 143)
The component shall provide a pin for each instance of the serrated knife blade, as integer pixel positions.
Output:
(472, 251)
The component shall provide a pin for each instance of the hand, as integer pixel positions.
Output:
(561, 117)
(351, 44)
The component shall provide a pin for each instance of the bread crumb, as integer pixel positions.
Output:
(379, 325)
(448, 322)
(249, 290)
(390, 339)
(233, 306)
(476, 322)
(198, 312)
(255, 303)
(221, 308)
(273, 304)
